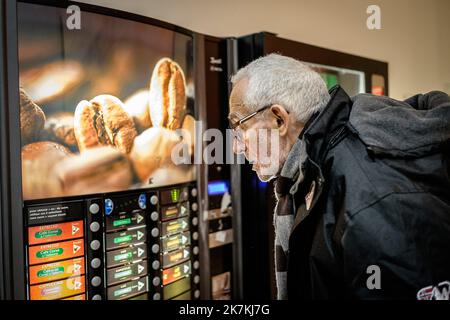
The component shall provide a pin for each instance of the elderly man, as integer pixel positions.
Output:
(362, 183)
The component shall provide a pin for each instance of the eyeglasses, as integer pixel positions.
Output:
(234, 125)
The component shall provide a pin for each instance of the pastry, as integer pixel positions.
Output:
(32, 118)
(100, 169)
(103, 121)
(167, 94)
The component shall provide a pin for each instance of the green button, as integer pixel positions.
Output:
(49, 253)
(50, 272)
(123, 239)
(121, 222)
(122, 291)
(123, 256)
(121, 274)
(48, 233)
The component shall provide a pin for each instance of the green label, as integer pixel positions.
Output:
(123, 256)
(50, 253)
(125, 273)
(123, 239)
(50, 272)
(122, 291)
(48, 233)
(121, 222)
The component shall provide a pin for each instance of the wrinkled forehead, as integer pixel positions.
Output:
(236, 106)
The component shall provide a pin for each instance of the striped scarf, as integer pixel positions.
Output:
(286, 186)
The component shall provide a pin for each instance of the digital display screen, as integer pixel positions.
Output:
(217, 188)
(103, 100)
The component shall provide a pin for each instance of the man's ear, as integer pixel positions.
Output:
(281, 117)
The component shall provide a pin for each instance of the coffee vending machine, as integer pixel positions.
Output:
(95, 204)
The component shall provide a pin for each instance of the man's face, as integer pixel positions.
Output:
(257, 138)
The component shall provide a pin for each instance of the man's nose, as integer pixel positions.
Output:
(238, 147)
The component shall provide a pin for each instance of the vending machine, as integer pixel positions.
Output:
(223, 208)
(101, 198)
(355, 75)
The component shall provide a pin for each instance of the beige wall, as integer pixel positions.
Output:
(414, 39)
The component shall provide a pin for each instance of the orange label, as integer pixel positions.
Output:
(55, 232)
(56, 270)
(57, 290)
(79, 297)
(55, 251)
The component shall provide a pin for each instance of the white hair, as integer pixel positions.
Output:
(277, 79)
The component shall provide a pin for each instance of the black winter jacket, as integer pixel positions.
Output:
(378, 182)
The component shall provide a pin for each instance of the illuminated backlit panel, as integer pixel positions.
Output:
(56, 264)
(97, 174)
(85, 95)
(126, 236)
(173, 243)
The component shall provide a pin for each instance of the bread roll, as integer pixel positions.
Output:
(167, 94)
(32, 118)
(103, 121)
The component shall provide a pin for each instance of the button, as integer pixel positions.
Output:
(96, 281)
(195, 250)
(184, 195)
(156, 281)
(94, 208)
(154, 200)
(194, 192)
(97, 297)
(154, 216)
(155, 248)
(197, 294)
(195, 221)
(155, 265)
(156, 296)
(194, 206)
(196, 265)
(95, 245)
(95, 226)
(95, 263)
(155, 232)
(196, 279)
(195, 236)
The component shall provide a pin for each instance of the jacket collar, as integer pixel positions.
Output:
(320, 130)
